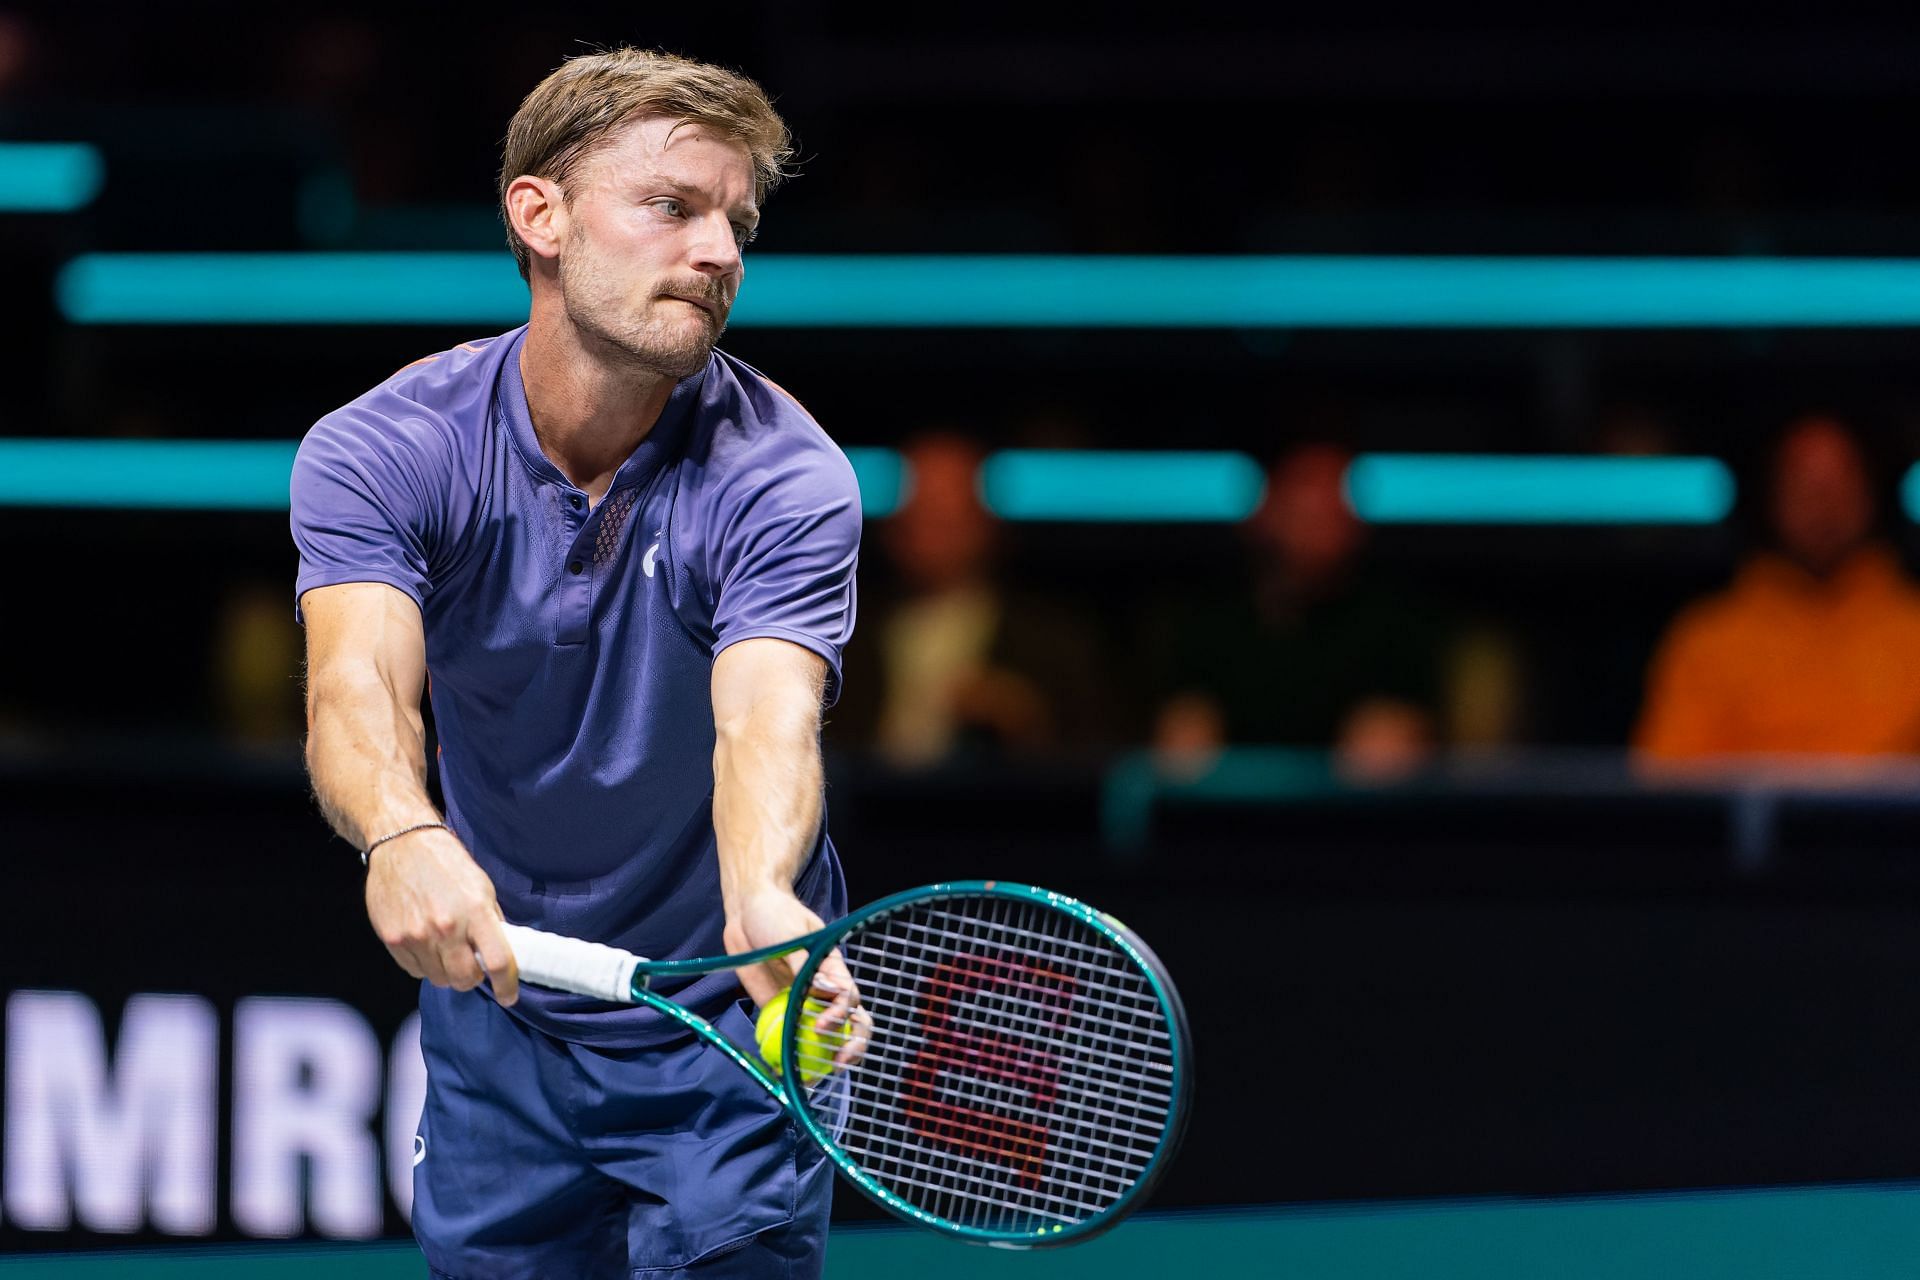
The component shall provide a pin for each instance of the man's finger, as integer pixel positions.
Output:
(769, 978)
(433, 965)
(859, 1035)
(834, 980)
(832, 977)
(761, 983)
(836, 1013)
(457, 961)
(788, 965)
(404, 958)
(424, 955)
(494, 954)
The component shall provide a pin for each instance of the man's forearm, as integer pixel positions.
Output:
(766, 796)
(366, 755)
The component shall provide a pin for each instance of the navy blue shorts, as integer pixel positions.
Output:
(538, 1157)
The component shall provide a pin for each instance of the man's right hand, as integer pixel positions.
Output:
(435, 910)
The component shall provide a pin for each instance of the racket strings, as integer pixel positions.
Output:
(1148, 1095)
(1020, 1074)
(1016, 1020)
(1095, 998)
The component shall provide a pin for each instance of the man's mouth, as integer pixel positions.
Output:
(707, 307)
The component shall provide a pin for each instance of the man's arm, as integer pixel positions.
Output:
(766, 805)
(366, 751)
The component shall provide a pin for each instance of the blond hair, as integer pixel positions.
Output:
(570, 113)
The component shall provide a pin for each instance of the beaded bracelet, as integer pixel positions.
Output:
(367, 852)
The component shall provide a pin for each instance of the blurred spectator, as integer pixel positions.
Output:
(256, 656)
(1322, 653)
(1815, 648)
(956, 660)
(16, 53)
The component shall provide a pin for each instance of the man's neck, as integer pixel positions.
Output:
(1833, 565)
(591, 406)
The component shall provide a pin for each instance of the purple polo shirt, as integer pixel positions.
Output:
(570, 648)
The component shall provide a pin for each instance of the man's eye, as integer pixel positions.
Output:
(673, 208)
(744, 235)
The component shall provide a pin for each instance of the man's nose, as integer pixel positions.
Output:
(715, 251)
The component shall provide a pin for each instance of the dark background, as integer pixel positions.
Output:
(1391, 133)
(1525, 988)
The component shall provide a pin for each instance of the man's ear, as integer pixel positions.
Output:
(537, 214)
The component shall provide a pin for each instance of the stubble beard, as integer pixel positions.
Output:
(668, 346)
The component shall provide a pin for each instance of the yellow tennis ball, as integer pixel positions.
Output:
(814, 1047)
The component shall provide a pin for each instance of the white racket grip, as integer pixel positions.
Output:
(569, 964)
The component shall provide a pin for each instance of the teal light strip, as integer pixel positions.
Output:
(1017, 484)
(231, 475)
(1037, 292)
(1048, 484)
(1910, 492)
(49, 177)
(884, 477)
(292, 288)
(1387, 488)
(243, 475)
(252, 475)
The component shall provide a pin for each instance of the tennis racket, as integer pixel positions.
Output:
(1027, 1075)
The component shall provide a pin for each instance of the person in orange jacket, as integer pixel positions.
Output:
(1815, 647)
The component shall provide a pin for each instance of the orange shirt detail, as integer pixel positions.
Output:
(1784, 663)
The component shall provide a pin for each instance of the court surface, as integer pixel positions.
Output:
(1857, 1232)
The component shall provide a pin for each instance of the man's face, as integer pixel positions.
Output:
(1822, 495)
(650, 258)
(1305, 520)
(943, 535)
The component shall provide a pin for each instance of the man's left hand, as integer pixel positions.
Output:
(771, 916)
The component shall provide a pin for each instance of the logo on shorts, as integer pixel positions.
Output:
(419, 1149)
(646, 565)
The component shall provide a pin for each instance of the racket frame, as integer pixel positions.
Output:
(1179, 1087)
(819, 945)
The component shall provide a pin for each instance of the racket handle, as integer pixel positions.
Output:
(569, 964)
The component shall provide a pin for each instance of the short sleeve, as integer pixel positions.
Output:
(359, 507)
(786, 557)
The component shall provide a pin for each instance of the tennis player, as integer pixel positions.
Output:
(627, 561)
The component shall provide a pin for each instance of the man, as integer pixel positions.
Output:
(963, 663)
(1318, 652)
(1812, 649)
(627, 560)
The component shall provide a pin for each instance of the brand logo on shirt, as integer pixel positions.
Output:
(646, 565)
(419, 1149)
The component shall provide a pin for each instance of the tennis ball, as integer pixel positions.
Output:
(815, 1047)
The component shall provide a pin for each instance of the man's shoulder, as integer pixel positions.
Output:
(756, 410)
(434, 376)
(751, 429)
(441, 396)
(410, 438)
(1731, 618)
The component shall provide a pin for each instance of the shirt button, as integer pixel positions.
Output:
(574, 501)
(578, 566)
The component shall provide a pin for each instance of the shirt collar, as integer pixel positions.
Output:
(662, 442)
(1871, 569)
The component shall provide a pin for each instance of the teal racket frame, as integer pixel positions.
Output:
(819, 944)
